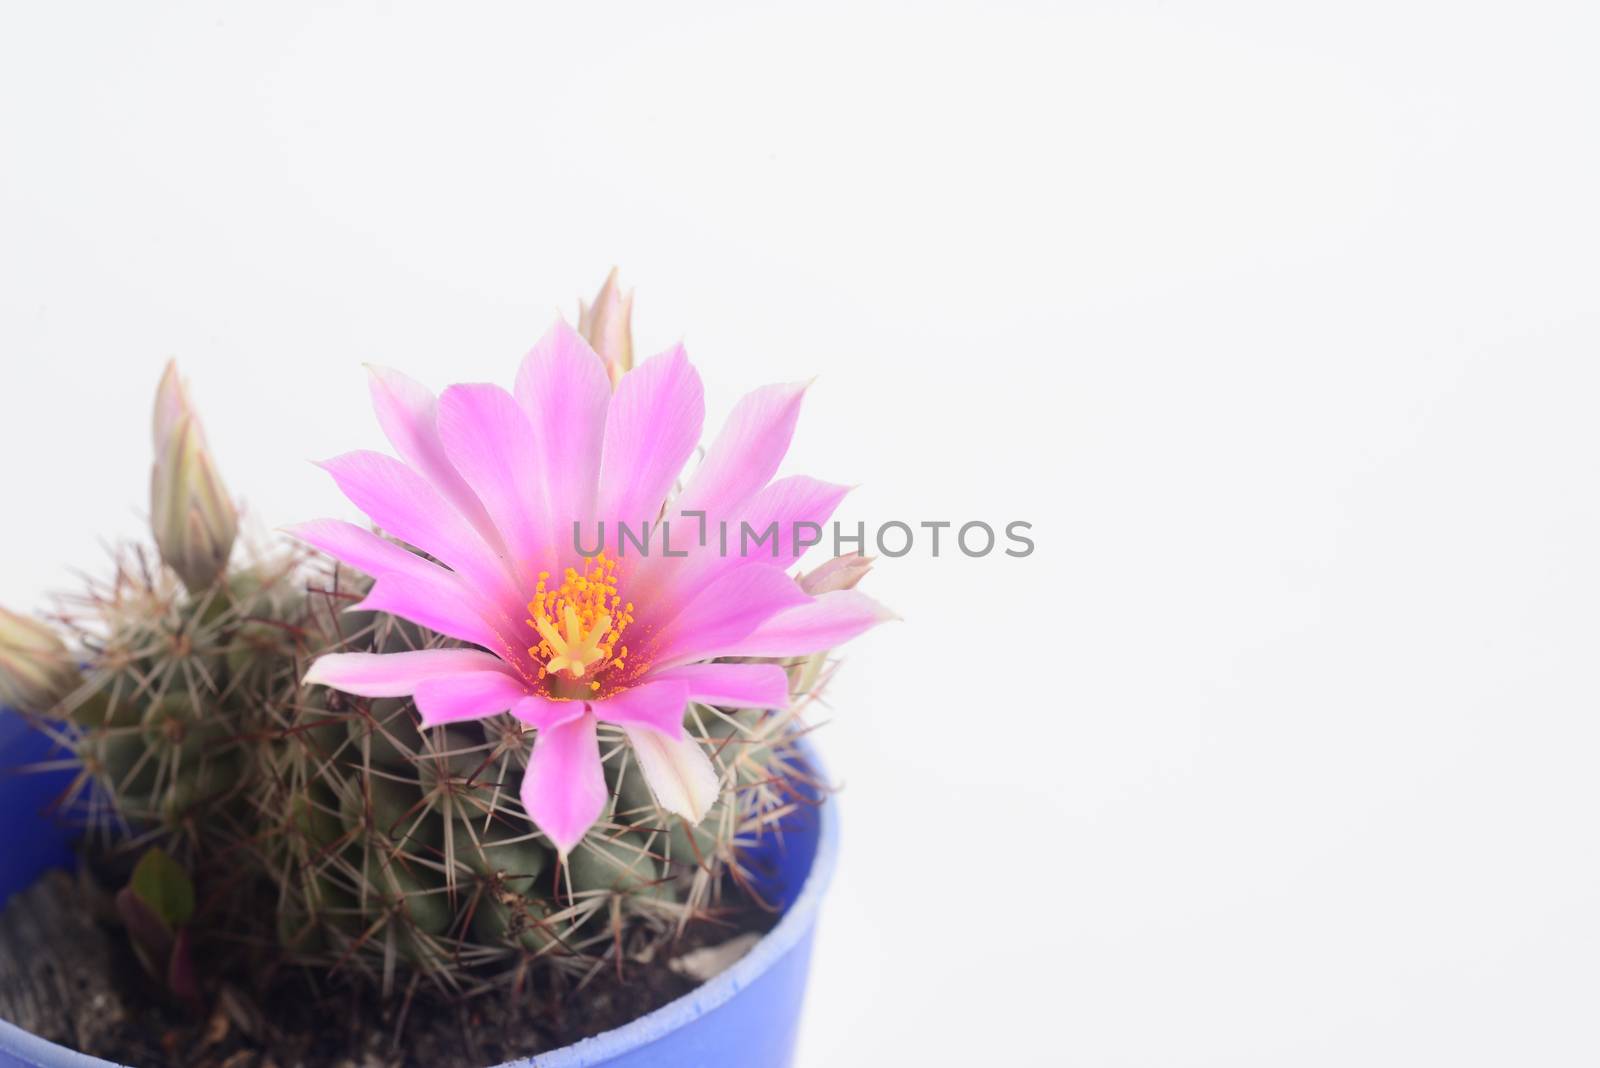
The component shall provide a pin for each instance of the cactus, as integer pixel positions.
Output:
(403, 849)
(334, 833)
(173, 690)
(385, 849)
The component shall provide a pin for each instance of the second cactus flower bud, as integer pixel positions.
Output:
(607, 325)
(36, 670)
(194, 520)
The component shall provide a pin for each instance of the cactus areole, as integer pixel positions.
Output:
(495, 486)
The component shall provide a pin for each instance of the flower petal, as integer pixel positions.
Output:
(678, 772)
(395, 674)
(432, 605)
(658, 704)
(489, 440)
(403, 503)
(746, 453)
(408, 585)
(407, 413)
(541, 712)
(723, 612)
(473, 695)
(362, 549)
(563, 387)
(829, 619)
(783, 505)
(564, 789)
(778, 508)
(652, 427)
(733, 685)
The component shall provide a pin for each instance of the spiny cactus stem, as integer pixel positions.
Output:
(395, 854)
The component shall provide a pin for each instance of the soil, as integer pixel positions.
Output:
(72, 979)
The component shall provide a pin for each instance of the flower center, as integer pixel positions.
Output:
(580, 622)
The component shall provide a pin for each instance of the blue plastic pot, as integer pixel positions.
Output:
(747, 1017)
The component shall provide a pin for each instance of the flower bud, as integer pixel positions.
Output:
(607, 325)
(840, 573)
(193, 519)
(36, 670)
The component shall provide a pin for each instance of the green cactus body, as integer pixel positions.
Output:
(511, 919)
(622, 863)
(516, 861)
(383, 848)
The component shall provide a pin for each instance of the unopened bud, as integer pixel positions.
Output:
(193, 519)
(607, 325)
(36, 670)
(840, 573)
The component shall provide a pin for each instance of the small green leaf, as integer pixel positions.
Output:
(164, 887)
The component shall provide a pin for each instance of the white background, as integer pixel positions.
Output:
(1277, 321)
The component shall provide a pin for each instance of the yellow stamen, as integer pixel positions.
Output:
(591, 616)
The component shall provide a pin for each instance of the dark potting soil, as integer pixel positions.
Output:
(69, 977)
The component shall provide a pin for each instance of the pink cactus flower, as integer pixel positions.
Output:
(490, 485)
